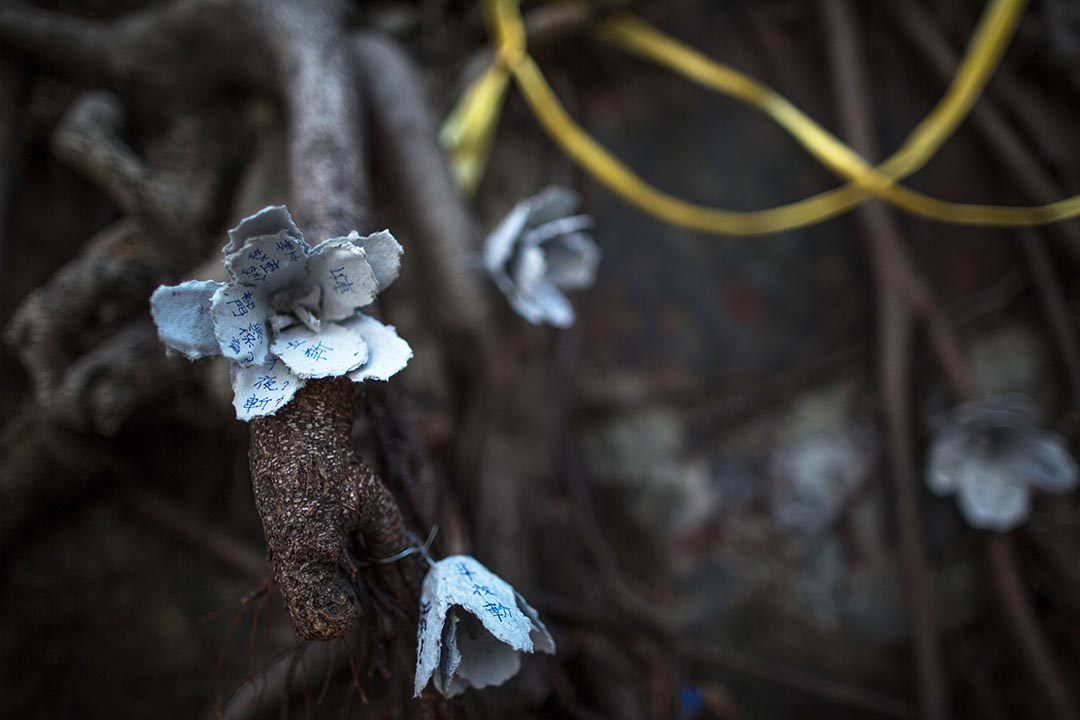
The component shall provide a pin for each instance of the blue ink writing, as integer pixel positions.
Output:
(243, 305)
(497, 609)
(269, 382)
(342, 284)
(251, 334)
(255, 402)
(317, 351)
(253, 273)
(287, 247)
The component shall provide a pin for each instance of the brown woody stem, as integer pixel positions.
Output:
(312, 490)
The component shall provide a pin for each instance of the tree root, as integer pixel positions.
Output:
(63, 330)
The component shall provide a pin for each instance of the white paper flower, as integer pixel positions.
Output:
(539, 250)
(290, 313)
(473, 628)
(990, 454)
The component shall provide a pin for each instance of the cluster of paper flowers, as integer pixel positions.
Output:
(291, 312)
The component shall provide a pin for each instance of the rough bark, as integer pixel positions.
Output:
(171, 196)
(312, 493)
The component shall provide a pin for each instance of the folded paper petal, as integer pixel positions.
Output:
(262, 390)
(552, 203)
(546, 305)
(947, 457)
(472, 628)
(529, 269)
(1047, 465)
(991, 498)
(240, 325)
(383, 254)
(554, 228)
(388, 354)
(483, 661)
(269, 263)
(346, 279)
(499, 245)
(525, 306)
(446, 681)
(572, 261)
(540, 635)
(268, 221)
(302, 304)
(182, 315)
(332, 351)
(552, 306)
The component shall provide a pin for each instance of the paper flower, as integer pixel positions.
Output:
(290, 313)
(539, 250)
(990, 454)
(473, 628)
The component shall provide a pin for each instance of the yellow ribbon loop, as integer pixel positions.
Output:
(509, 30)
(468, 133)
(472, 130)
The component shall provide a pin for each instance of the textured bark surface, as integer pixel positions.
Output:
(307, 490)
(308, 51)
(172, 195)
(313, 493)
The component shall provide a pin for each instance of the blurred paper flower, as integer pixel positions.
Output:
(539, 250)
(990, 454)
(473, 628)
(289, 314)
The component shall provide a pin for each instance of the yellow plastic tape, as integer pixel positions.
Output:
(984, 53)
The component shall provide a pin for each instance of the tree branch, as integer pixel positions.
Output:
(892, 271)
(311, 489)
(410, 160)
